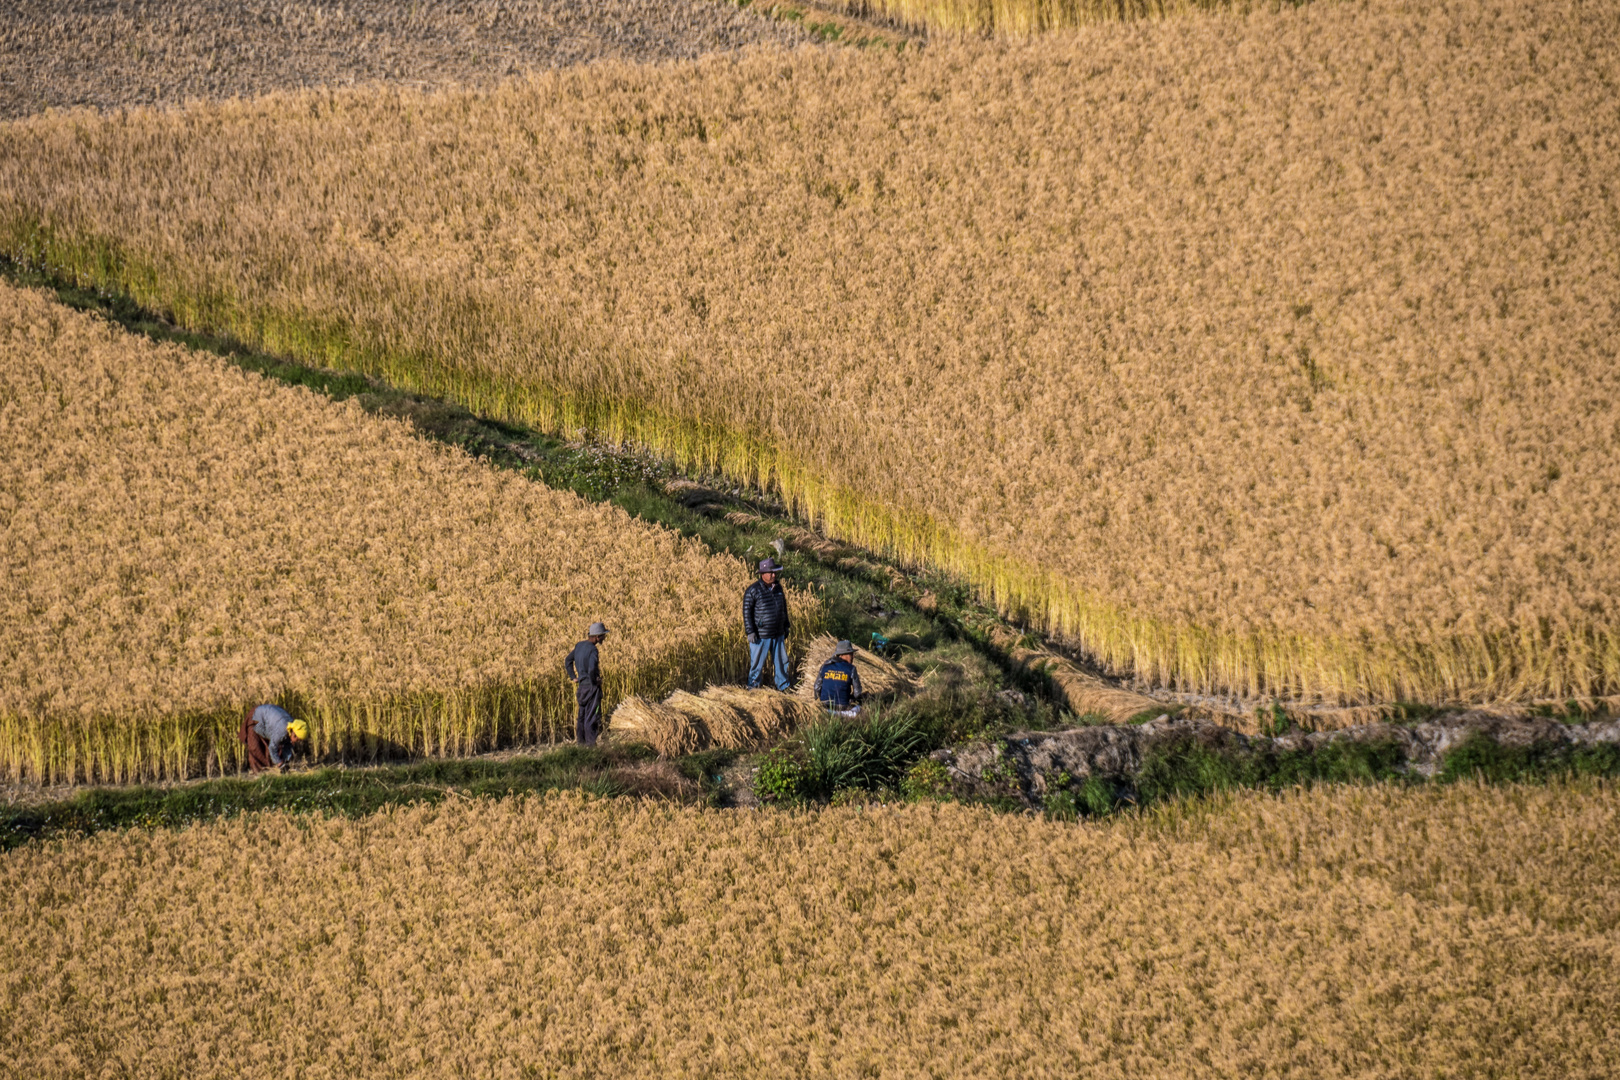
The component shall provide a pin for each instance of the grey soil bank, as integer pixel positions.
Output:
(1033, 766)
(107, 53)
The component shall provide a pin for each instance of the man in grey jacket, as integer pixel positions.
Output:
(585, 669)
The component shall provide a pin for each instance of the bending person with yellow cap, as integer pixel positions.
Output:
(271, 733)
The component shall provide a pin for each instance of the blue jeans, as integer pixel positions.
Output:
(776, 649)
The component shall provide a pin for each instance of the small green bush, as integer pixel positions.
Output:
(927, 779)
(1188, 767)
(1274, 721)
(953, 716)
(1096, 796)
(1061, 805)
(1347, 761)
(781, 777)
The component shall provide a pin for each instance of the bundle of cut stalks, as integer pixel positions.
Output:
(1083, 692)
(669, 731)
(727, 725)
(727, 717)
(879, 677)
(773, 715)
(814, 543)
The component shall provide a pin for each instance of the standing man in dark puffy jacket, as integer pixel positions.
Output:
(765, 621)
(585, 669)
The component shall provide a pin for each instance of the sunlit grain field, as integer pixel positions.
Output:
(1348, 933)
(1015, 18)
(1271, 355)
(63, 53)
(181, 539)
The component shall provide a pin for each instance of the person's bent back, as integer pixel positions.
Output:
(270, 733)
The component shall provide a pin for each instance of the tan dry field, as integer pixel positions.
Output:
(180, 539)
(1353, 932)
(1269, 355)
(110, 53)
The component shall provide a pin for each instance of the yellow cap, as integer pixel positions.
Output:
(299, 729)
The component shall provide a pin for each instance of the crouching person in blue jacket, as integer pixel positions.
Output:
(838, 684)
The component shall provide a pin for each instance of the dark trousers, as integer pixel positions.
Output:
(589, 724)
(258, 750)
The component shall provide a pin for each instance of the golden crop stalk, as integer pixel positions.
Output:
(1271, 355)
(1340, 932)
(182, 539)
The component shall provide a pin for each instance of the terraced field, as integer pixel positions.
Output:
(181, 539)
(1270, 356)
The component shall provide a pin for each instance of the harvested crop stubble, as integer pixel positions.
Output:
(1267, 356)
(57, 53)
(180, 539)
(1344, 932)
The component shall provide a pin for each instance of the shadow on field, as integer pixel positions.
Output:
(352, 792)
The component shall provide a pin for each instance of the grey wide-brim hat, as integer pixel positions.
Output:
(843, 648)
(769, 565)
(596, 628)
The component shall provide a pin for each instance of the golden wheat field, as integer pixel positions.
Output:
(1271, 354)
(1466, 932)
(181, 539)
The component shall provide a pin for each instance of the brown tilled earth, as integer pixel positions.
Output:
(106, 53)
